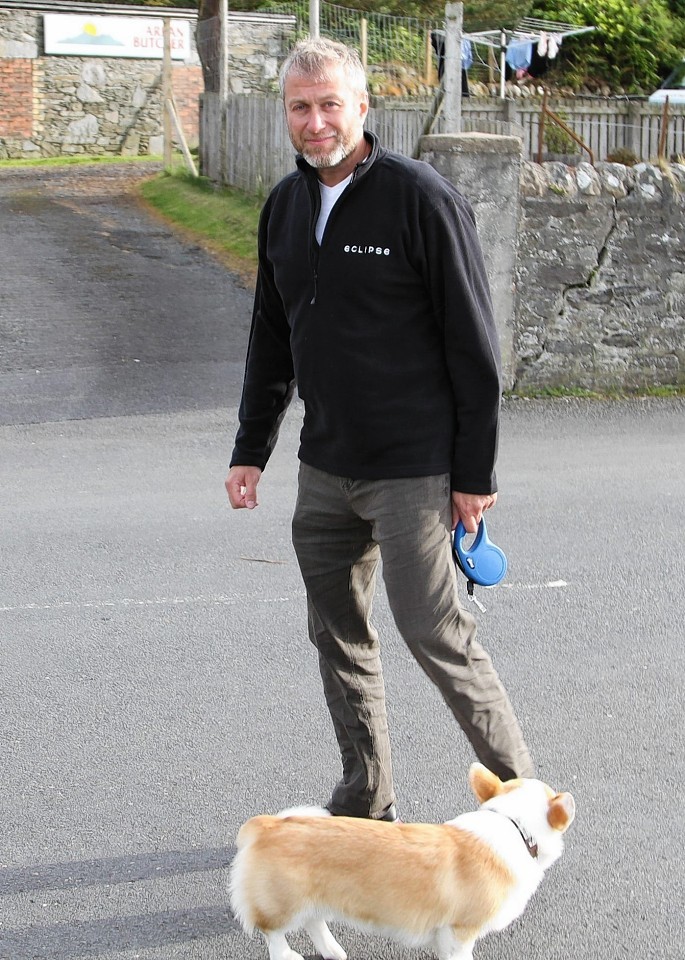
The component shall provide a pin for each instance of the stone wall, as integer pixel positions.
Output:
(586, 264)
(66, 105)
(601, 276)
(487, 168)
(256, 52)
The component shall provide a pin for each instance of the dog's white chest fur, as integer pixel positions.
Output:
(506, 842)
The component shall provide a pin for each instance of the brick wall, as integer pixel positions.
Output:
(16, 98)
(187, 85)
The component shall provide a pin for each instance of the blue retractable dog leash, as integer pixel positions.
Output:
(483, 563)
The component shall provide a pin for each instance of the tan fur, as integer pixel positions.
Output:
(487, 785)
(354, 857)
(559, 814)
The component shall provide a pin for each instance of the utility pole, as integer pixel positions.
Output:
(451, 107)
(167, 94)
(314, 18)
(223, 90)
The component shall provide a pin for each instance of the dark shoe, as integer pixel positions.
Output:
(390, 815)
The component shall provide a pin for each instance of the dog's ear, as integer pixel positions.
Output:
(484, 784)
(562, 810)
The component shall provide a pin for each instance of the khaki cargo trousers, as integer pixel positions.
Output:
(341, 529)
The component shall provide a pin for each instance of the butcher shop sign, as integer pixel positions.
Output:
(84, 36)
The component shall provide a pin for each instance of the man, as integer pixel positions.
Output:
(372, 297)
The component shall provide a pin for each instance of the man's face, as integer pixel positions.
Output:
(325, 117)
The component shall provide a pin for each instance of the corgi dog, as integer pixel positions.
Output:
(435, 886)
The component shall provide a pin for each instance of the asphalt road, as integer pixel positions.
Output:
(157, 687)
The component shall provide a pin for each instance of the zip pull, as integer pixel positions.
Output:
(313, 300)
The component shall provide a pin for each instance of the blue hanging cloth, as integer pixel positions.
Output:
(519, 54)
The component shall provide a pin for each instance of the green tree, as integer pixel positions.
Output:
(633, 43)
(493, 14)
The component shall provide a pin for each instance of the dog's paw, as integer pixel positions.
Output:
(325, 943)
(335, 954)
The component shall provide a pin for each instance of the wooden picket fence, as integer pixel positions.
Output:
(255, 152)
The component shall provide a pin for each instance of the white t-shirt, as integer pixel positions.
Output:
(328, 197)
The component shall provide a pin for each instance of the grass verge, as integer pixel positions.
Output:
(76, 161)
(546, 393)
(222, 220)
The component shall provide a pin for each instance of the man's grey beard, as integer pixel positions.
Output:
(325, 160)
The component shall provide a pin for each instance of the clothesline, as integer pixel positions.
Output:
(516, 46)
(529, 30)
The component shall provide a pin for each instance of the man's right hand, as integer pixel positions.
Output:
(241, 486)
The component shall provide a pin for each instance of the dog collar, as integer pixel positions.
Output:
(528, 839)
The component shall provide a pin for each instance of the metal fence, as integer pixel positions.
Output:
(256, 151)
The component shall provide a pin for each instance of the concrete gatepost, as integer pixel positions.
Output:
(486, 169)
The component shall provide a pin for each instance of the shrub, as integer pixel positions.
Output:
(623, 155)
(633, 44)
(556, 138)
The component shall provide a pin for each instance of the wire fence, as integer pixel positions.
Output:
(402, 55)
(397, 52)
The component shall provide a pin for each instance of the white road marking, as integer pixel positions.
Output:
(211, 600)
(551, 584)
(147, 602)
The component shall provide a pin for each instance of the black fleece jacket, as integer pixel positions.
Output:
(386, 328)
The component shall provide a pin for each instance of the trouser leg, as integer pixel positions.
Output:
(338, 561)
(411, 523)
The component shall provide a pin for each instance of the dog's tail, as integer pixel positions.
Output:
(257, 825)
(238, 884)
(241, 884)
(251, 829)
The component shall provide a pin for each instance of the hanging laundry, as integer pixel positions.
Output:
(542, 44)
(519, 55)
(466, 54)
(553, 45)
(438, 43)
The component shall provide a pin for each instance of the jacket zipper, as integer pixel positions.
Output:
(317, 208)
(313, 255)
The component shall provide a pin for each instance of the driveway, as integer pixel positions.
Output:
(104, 312)
(157, 686)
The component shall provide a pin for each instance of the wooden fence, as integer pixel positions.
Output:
(255, 151)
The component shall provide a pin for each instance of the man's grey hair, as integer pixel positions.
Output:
(314, 58)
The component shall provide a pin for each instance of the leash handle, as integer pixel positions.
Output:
(483, 562)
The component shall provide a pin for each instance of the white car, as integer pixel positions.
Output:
(673, 87)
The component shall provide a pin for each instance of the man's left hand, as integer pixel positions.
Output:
(469, 508)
